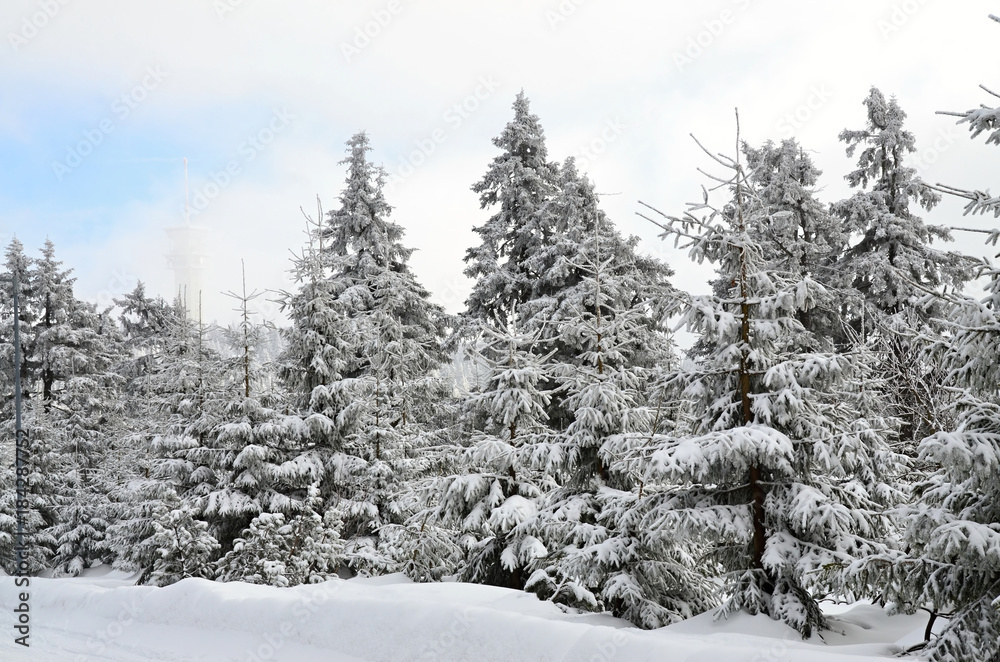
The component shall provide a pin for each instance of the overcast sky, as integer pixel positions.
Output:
(100, 100)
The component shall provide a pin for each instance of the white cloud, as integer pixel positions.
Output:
(604, 61)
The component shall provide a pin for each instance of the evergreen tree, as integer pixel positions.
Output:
(302, 550)
(777, 474)
(80, 349)
(498, 483)
(599, 558)
(71, 411)
(563, 290)
(801, 237)
(518, 182)
(892, 264)
(184, 389)
(950, 565)
(365, 346)
(952, 546)
(183, 546)
(40, 512)
(603, 308)
(147, 325)
(252, 445)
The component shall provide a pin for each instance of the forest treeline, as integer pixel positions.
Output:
(833, 432)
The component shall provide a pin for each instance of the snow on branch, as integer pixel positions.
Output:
(980, 202)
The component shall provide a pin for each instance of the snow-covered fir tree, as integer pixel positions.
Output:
(801, 236)
(145, 324)
(517, 183)
(182, 546)
(41, 494)
(184, 389)
(499, 480)
(949, 566)
(365, 347)
(71, 411)
(149, 326)
(280, 551)
(78, 350)
(602, 308)
(563, 287)
(777, 475)
(598, 557)
(251, 449)
(892, 263)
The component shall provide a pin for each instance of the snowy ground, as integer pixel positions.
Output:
(103, 617)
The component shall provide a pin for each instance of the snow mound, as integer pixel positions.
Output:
(390, 619)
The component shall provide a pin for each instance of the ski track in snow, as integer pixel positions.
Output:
(390, 619)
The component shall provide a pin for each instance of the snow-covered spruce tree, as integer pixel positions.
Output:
(892, 263)
(801, 236)
(71, 413)
(78, 349)
(563, 287)
(597, 557)
(320, 359)
(250, 450)
(145, 324)
(182, 545)
(185, 387)
(280, 551)
(497, 486)
(41, 492)
(518, 183)
(604, 312)
(777, 476)
(184, 390)
(950, 564)
(156, 334)
(366, 345)
(136, 496)
(224, 453)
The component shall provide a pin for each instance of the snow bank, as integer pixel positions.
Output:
(391, 619)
